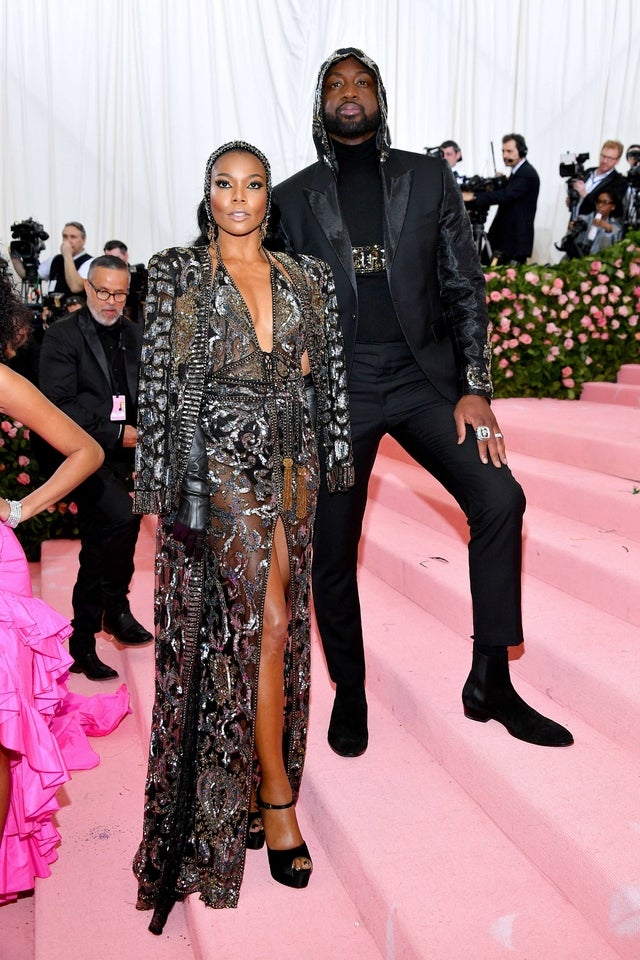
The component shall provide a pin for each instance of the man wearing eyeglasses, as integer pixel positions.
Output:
(89, 369)
(603, 177)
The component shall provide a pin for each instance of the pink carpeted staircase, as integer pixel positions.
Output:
(626, 389)
(448, 839)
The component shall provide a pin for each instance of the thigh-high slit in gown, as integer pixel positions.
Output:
(262, 469)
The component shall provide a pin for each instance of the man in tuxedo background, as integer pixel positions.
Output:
(89, 369)
(603, 177)
(453, 155)
(411, 298)
(511, 232)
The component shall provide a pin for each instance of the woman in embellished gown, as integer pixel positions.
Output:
(42, 728)
(228, 458)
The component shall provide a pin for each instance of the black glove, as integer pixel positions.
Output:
(193, 511)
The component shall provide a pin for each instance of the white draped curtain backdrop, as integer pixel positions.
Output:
(108, 110)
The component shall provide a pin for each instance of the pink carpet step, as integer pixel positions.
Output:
(589, 562)
(626, 389)
(624, 394)
(595, 436)
(583, 657)
(629, 373)
(433, 875)
(572, 811)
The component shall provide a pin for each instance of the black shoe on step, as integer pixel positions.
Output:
(348, 735)
(124, 627)
(92, 666)
(488, 694)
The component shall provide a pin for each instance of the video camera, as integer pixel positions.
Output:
(633, 174)
(571, 240)
(434, 152)
(484, 184)
(27, 245)
(572, 167)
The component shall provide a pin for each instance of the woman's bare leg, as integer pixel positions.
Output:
(281, 826)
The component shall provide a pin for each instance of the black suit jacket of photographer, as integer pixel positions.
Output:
(614, 181)
(76, 377)
(511, 232)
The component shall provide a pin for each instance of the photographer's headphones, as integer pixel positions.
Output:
(520, 143)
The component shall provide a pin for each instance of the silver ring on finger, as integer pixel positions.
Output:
(483, 433)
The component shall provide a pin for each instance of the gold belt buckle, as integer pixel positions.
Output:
(369, 259)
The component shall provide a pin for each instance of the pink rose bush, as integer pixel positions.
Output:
(555, 327)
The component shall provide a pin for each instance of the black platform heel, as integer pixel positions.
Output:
(255, 838)
(281, 862)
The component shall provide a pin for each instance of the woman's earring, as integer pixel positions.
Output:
(212, 232)
(264, 226)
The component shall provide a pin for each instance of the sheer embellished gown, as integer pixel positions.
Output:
(262, 469)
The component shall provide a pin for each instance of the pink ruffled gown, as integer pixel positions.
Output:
(43, 726)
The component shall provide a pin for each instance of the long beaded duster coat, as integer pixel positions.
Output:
(203, 366)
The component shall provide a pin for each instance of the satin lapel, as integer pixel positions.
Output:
(326, 209)
(396, 201)
(93, 341)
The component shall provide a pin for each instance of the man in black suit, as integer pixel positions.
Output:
(89, 368)
(511, 233)
(411, 298)
(603, 177)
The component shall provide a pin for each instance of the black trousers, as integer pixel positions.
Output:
(108, 534)
(389, 394)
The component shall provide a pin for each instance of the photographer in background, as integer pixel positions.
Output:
(511, 233)
(453, 155)
(67, 270)
(631, 202)
(603, 177)
(602, 228)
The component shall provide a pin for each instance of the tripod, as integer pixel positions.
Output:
(481, 240)
(31, 287)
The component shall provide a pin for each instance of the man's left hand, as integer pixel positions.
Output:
(476, 412)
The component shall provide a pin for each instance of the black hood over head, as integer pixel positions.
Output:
(321, 138)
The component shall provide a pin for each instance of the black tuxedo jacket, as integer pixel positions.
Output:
(76, 377)
(511, 232)
(434, 273)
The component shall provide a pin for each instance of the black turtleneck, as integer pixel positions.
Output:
(360, 195)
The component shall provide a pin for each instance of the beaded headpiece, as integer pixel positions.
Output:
(240, 146)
